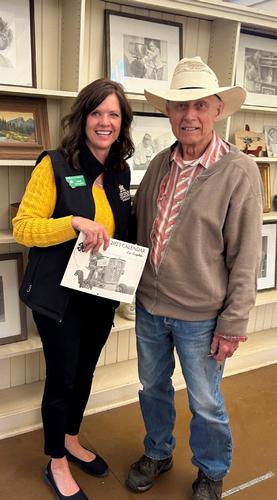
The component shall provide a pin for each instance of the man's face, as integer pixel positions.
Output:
(192, 122)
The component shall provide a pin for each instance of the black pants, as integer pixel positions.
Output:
(71, 349)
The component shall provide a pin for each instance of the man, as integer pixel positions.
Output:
(199, 210)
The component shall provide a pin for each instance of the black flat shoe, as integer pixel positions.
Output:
(80, 495)
(96, 467)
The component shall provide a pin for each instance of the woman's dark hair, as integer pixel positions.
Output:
(74, 124)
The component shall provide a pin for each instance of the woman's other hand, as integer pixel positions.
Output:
(95, 233)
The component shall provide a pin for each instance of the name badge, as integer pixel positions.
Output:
(76, 181)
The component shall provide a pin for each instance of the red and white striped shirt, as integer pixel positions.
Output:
(173, 191)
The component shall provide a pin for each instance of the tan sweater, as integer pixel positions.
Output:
(210, 266)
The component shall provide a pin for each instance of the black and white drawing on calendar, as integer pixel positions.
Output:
(113, 273)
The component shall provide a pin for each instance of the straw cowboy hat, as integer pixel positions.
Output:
(193, 79)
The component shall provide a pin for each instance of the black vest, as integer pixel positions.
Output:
(41, 289)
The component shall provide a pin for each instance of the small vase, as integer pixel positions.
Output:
(128, 311)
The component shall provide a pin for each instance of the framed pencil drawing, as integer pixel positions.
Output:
(257, 69)
(150, 133)
(24, 130)
(17, 43)
(270, 133)
(141, 52)
(264, 169)
(267, 274)
(12, 312)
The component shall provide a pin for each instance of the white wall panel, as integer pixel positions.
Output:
(18, 370)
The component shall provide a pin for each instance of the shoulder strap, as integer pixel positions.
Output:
(57, 158)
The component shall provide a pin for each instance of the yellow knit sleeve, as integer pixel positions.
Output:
(33, 224)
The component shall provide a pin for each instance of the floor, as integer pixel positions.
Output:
(117, 435)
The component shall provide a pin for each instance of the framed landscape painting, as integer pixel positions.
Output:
(24, 131)
(141, 52)
(17, 43)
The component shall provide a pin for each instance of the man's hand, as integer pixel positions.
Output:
(222, 349)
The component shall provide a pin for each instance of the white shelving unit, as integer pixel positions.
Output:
(70, 40)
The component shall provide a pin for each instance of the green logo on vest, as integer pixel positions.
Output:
(76, 181)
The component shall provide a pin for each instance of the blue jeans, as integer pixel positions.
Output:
(210, 436)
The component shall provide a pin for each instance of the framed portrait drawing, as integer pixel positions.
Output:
(24, 130)
(267, 274)
(264, 169)
(270, 133)
(141, 52)
(257, 69)
(17, 43)
(150, 133)
(12, 311)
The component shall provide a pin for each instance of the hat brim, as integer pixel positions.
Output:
(232, 97)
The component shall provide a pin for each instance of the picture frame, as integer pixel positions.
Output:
(257, 68)
(151, 133)
(250, 143)
(24, 130)
(17, 48)
(270, 133)
(13, 326)
(267, 274)
(141, 52)
(264, 169)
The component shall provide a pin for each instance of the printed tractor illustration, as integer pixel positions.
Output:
(104, 272)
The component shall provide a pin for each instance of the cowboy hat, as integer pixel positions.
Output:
(193, 79)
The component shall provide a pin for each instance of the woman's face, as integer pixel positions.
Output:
(103, 127)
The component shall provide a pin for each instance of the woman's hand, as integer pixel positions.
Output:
(95, 234)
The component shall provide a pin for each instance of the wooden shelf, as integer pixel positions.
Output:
(266, 297)
(269, 216)
(34, 92)
(17, 163)
(117, 384)
(33, 343)
(262, 109)
(6, 236)
(264, 159)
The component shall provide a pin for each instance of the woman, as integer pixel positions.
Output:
(83, 186)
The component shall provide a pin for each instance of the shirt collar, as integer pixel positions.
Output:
(204, 160)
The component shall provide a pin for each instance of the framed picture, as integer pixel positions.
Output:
(257, 69)
(250, 143)
(270, 133)
(141, 52)
(12, 311)
(264, 169)
(17, 43)
(267, 274)
(150, 133)
(24, 130)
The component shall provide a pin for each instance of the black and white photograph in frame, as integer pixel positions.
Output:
(270, 133)
(151, 133)
(257, 69)
(12, 311)
(141, 52)
(17, 45)
(267, 274)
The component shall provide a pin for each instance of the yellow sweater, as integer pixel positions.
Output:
(34, 225)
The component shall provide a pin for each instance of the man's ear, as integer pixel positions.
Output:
(220, 108)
